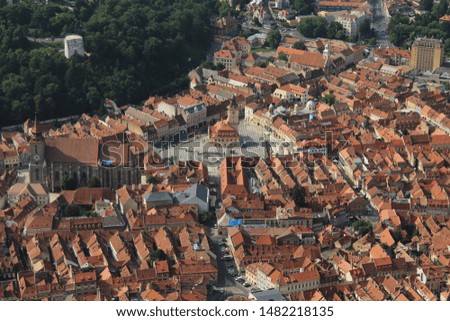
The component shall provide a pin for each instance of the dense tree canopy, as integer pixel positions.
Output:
(318, 27)
(298, 195)
(335, 31)
(367, 33)
(136, 48)
(303, 7)
(426, 4)
(68, 183)
(273, 38)
(402, 31)
(314, 27)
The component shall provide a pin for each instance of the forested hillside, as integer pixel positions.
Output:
(136, 48)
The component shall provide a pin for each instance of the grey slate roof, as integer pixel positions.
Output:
(157, 197)
(190, 195)
(268, 295)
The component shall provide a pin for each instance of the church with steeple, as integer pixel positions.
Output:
(328, 61)
(37, 164)
(53, 158)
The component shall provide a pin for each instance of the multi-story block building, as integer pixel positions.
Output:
(427, 54)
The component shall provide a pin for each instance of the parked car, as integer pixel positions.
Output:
(231, 270)
(221, 291)
(247, 285)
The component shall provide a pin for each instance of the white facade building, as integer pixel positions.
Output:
(73, 45)
(351, 22)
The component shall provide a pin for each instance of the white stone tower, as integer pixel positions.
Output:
(73, 45)
(327, 54)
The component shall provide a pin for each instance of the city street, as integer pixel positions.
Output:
(380, 23)
(226, 285)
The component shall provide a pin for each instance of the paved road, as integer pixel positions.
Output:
(45, 40)
(380, 23)
(285, 32)
(226, 285)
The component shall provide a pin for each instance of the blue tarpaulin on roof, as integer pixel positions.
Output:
(235, 222)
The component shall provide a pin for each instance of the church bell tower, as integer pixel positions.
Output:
(37, 155)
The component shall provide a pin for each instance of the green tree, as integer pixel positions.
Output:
(283, 57)
(156, 255)
(362, 227)
(372, 41)
(313, 27)
(83, 9)
(70, 210)
(225, 10)
(328, 99)
(340, 35)
(68, 183)
(94, 182)
(426, 4)
(299, 45)
(262, 64)
(411, 230)
(151, 179)
(220, 66)
(136, 47)
(335, 31)
(256, 22)
(365, 30)
(303, 7)
(273, 38)
(205, 217)
(440, 8)
(402, 32)
(208, 64)
(248, 32)
(298, 194)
